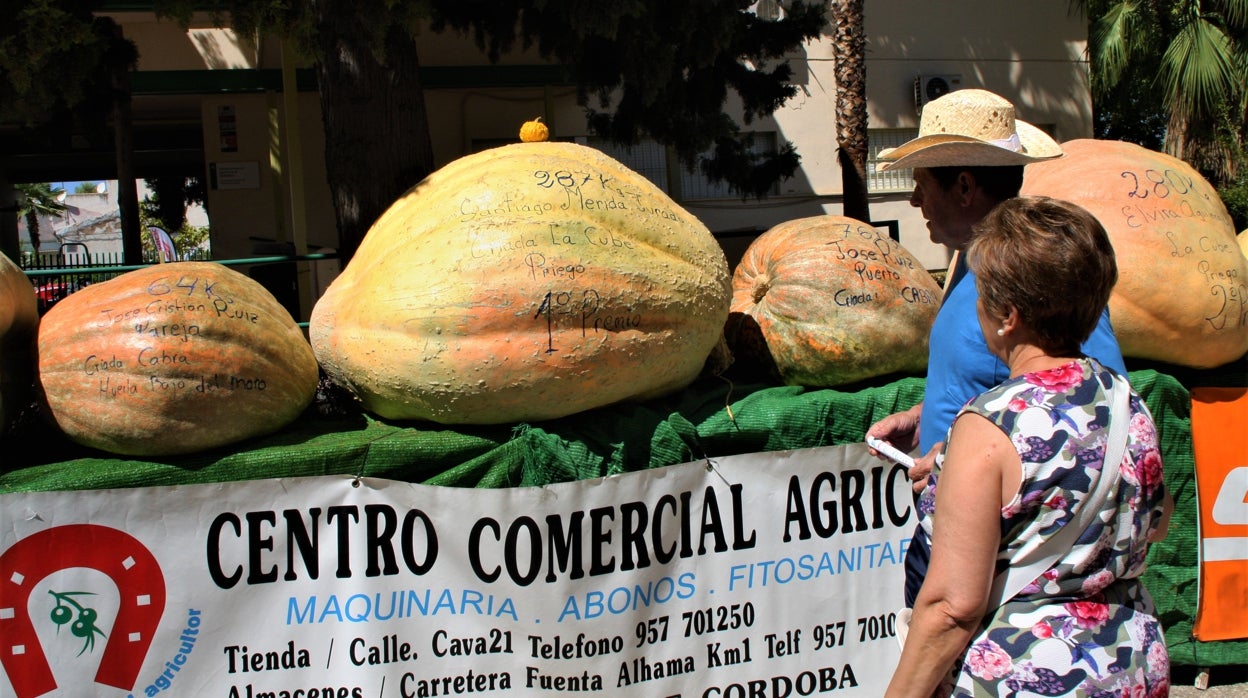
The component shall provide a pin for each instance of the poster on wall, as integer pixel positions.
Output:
(233, 175)
(774, 574)
(227, 128)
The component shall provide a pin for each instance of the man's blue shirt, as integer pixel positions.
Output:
(960, 367)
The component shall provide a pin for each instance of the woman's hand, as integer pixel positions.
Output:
(902, 430)
(923, 467)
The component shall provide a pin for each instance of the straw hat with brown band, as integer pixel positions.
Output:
(971, 128)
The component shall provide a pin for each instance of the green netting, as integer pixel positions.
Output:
(711, 418)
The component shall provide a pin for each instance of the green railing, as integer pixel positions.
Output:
(55, 276)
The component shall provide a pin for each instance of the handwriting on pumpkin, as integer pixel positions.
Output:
(511, 204)
(227, 309)
(170, 330)
(583, 309)
(540, 269)
(1143, 215)
(568, 234)
(577, 180)
(875, 273)
(1157, 183)
(1232, 310)
(848, 299)
(94, 364)
(588, 234)
(185, 285)
(1178, 248)
(885, 252)
(125, 385)
(912, 294)
(181, 312)
(615, 194)
(576, 199)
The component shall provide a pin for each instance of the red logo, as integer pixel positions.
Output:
(140, 586)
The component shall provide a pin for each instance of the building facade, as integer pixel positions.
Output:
(246, 117)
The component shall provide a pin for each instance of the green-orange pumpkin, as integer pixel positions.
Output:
(172, 359)
(527, 282)
(1182, 293)
(19, 317)
(829, 300)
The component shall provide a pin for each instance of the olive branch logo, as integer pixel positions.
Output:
(84, 625)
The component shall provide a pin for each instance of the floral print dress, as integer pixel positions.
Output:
(1085, 627)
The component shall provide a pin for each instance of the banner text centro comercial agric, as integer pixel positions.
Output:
(772, 574)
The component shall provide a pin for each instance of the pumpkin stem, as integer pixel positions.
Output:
(762, 285)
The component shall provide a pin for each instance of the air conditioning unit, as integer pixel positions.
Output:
(929, 87)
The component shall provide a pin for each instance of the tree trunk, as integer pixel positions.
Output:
(377, 142)
(849, 46)
(10, 241)
(123, 142)
(32, 230)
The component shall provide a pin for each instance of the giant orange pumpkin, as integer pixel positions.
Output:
(173, 358)
(527, 282)
(19, 316)
(829, 300)
(1182, 293)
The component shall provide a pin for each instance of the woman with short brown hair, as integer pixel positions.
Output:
(1044, 502)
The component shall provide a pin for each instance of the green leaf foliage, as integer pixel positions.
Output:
(662, 68)
(1172, 75)
(55, 58)
(38, 199)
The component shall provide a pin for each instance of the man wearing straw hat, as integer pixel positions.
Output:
(968, 157)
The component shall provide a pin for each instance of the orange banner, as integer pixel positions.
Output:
(1220, 446)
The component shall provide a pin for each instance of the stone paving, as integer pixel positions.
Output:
(1224, 682)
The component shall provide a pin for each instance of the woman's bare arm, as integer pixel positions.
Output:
(979, 466)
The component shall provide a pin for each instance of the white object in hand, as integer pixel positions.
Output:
(890, 452)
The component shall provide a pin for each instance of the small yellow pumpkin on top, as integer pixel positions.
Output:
(534, 131)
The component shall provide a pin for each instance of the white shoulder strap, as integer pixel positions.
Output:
(1023, 571)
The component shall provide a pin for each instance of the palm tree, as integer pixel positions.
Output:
(1200, 76)
(849, 42)
(39, 199)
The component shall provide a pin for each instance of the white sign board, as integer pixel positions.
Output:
(235, 175)
(772, 574)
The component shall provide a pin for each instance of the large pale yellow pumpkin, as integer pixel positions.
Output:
(527, 282)
(829, 300)
(172, 359)
(19, 318)
(1182, 293)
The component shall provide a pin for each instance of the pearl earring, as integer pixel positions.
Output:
(1000, 331)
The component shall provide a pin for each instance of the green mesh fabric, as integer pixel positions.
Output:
(711, 418)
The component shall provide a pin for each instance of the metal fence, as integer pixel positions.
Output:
(58, 274)
(55, 275)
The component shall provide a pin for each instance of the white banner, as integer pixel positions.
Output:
(767, 575)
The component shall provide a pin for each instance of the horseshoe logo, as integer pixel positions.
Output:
(140, 585)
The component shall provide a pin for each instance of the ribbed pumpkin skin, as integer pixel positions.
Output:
(527, 282)
(829, 300)
(172, 359)
(1182, 292)
(19, 318)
